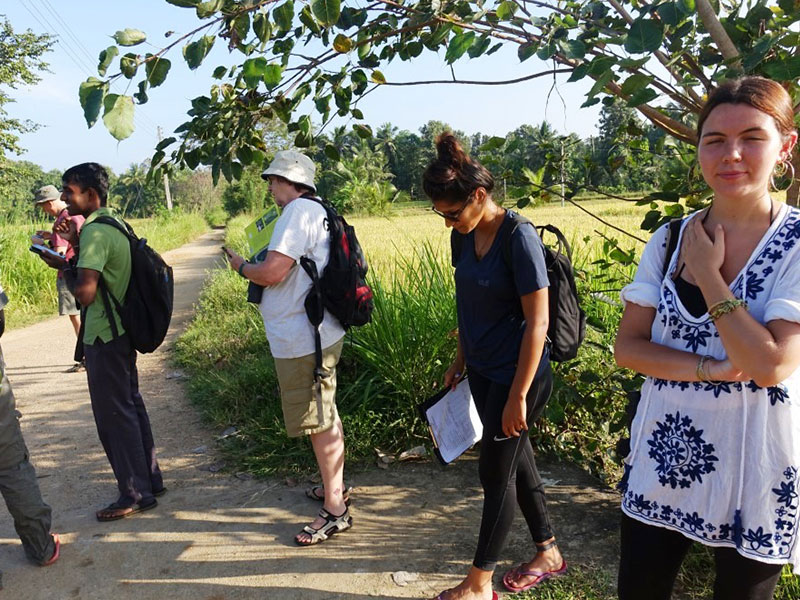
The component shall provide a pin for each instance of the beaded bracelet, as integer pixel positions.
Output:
(701, 368)
(723, 307)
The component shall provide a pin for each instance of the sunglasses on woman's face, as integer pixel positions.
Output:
(454, 215)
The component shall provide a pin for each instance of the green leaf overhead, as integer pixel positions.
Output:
(209, 8)
(118, 115)
(645, 35)
(156, 70)
(458, 45)
(105, 59)
(283, 15)
(129, 37)
(272, 75)
(129, 64)
(184, 3)
(342, 43)
(326, 11)
(91, 95)
(253, 71)
(783, 69)
(195, 52)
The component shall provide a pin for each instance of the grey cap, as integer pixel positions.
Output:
(46, 193)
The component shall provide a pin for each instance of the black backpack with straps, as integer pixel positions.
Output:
(342, 289)
(146, 309)
(567, 328)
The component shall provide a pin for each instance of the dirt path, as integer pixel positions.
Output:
(217, 537)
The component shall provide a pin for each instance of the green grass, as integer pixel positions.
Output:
(392, 364)
(580, 583)
(31, 285)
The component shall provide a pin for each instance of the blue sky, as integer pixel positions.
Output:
(84, 29)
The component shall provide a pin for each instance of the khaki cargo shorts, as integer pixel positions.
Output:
(303, 412)
(66, 301)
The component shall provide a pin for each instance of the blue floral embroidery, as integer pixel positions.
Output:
(755, 539)
(754, 285)
(682, 456)
(777, 393)
(758, 538)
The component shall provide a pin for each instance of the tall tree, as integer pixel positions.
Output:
(20, 61)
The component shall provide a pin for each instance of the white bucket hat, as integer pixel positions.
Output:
(294, 166)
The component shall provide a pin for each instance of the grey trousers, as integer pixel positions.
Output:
(18, 481)
(122, 421)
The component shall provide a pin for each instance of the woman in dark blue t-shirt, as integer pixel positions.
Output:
(502, 328)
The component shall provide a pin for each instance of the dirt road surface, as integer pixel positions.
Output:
(216, 536)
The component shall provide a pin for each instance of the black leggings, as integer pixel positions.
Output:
(507, 467)
(651, 556)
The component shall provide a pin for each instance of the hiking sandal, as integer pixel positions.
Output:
(317, 492)
(332, 525)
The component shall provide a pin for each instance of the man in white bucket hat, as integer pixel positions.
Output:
(300, 231)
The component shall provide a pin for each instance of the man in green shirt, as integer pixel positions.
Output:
(119, 412)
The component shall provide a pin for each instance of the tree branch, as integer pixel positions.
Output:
(717, 32)
(472, 82)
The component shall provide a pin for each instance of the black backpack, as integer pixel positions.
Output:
(146, 310)
(342, 289)
(567, 327)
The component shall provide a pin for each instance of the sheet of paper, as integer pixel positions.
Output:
(454, 422)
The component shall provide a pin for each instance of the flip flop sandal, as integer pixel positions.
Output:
(116, 511)
(56, 552)
(332, 526)
(317, 492)
(540, 577)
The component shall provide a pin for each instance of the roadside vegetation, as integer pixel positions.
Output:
(31, 285)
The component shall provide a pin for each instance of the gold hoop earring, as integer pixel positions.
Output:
(782, 170)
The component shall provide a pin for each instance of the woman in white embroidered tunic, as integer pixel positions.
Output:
(715, 444)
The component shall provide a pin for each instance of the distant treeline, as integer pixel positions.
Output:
(367, 174)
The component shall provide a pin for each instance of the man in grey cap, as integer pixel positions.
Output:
(18, 482)
(300, 231)
(48, 198)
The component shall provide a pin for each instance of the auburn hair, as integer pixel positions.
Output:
(761, 93)
(452, 176)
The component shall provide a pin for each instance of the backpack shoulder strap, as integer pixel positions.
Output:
(105, 294)
(456, 244)
(673, 233)
(107, 220)
(517, 220)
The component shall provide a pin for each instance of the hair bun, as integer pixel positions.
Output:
(449, 151)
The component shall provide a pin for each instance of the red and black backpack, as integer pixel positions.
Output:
(342, 289)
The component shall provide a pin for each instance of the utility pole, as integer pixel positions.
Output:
(562, 172)
(166, 179)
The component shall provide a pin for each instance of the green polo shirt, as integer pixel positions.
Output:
(106, 250)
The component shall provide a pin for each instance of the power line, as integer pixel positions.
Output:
(67, 28)
(140, 118)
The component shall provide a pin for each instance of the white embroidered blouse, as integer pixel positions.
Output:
(719, 462)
